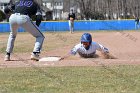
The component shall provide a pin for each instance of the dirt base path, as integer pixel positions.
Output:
(124, 45)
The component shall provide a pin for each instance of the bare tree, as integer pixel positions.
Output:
(85, 7)
(110, 8)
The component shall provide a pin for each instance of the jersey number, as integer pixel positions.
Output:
(25, 3)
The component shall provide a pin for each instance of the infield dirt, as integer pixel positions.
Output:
(122, 44)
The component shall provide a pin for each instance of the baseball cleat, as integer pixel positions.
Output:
(35, 57)
(7, 58)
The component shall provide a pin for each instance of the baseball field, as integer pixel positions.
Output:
(73, 74)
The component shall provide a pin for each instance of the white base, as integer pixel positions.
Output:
(49, 59)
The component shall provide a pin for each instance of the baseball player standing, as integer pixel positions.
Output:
(137, 23)
(87, 49)
(24, 9)
(71, 18)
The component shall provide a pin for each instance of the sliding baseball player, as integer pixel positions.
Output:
(87, 48)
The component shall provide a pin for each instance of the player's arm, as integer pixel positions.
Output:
(9, 9)
(38, 13)
(68, 17)
(74, 50)
(105, 52)
(74, 16)
(38, 17)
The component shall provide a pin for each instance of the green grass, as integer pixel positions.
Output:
(117, 79)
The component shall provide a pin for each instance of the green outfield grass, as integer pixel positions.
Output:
(117, 79)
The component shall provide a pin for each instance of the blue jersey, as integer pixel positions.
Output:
(26, 7)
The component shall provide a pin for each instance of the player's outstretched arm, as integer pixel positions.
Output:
(108, 56)
(71, 53)
(105, 52)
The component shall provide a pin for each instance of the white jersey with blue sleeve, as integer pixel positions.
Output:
(79, 48)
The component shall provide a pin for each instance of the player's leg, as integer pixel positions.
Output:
(34, 30)
(70, 25)
(137, 25)
(12, 37)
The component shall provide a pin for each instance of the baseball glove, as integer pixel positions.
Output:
(7, 10)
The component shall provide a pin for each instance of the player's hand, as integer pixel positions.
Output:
(108, 56)
(66, 56)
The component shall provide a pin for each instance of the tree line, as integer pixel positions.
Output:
(101, 9)
(109, 9)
